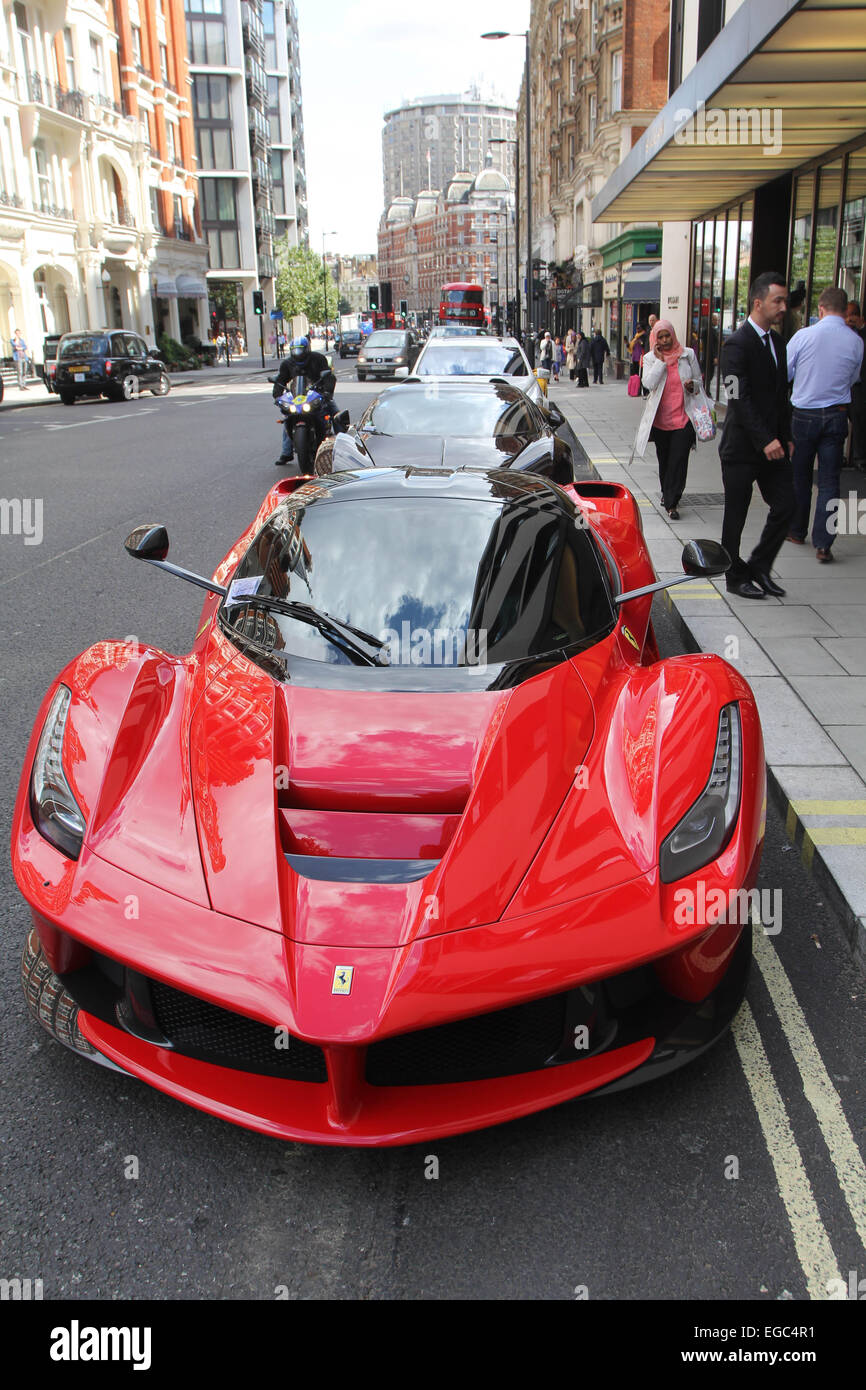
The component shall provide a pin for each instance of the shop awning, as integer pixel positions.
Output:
(643, 283)
(190, 287)
(783, 83)
(165, 288)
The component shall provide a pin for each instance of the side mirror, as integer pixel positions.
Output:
(555, 415)
(341, 422)
(147, 543)
(156, 354)
(703, 559)
(401, 372)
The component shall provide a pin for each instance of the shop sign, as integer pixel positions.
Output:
(611, 283)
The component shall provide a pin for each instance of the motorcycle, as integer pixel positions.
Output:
(310, 417)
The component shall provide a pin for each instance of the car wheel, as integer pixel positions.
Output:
(163, 386)
(362, 376)
(67, 397)
(324, 460)
(129, 388)
(48, 1001)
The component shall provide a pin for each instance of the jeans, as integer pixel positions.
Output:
(821, 432)
(598, 371)
(288, 451)
(21, 365)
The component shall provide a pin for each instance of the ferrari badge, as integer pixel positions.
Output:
(343, 979)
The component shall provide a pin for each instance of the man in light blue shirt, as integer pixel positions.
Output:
(824, 362)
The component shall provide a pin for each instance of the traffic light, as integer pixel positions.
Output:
(404, 307)
(258, 302)
(372, 296)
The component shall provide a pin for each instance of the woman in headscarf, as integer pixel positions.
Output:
(671, 374)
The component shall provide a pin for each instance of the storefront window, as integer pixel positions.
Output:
(826, 225)
(744, 272)
(800, 242)
(853, 217)
(732, 256)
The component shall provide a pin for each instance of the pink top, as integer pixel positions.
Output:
(670, 414)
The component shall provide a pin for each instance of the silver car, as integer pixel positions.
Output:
(479, 359)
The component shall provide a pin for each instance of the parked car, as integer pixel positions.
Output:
(408, 832)
(463, 424)
(111, 362)
(49, 360)
(350, 342)
(481, 356)
(385, 352)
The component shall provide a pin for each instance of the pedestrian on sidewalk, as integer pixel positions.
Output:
(557, 358)
(20, 355)
(857, 443)
(571, 353)
(756, 443)
(598, 351)
(824, 362)
(582, 358)
(545, 352)
(672, 377)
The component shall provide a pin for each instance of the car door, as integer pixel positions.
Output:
(136, 353)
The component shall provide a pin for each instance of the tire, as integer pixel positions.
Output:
(362, 376)
(163, 386)
(303, 446)
(324, 460)
(129, 388)
(67, 397)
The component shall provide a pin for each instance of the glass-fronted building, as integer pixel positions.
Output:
(757, 162)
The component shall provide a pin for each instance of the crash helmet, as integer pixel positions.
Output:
(300, 348)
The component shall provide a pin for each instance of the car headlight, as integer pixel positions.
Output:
(707, 826)
(56, 814)
(361, 357)
(398, 361)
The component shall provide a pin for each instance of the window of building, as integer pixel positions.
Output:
(69, 55)
(572, 76)
(136, 45)
(97, 69)
(207, 42)
(616, 81)
(210, 98)
(853, 221)
(219, 219)
(826, 222)
(170, 142)
(179, 223)
(214, 148)
(163, 62)
(571, 152)
(592, 118)
(44, 189)
(154, 208)
(203, 6)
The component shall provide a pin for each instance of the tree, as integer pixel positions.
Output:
(344, 307)
(299, 285)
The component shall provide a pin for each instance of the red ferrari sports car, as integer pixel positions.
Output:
(420, 836)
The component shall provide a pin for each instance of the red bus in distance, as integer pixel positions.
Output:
(462, 303)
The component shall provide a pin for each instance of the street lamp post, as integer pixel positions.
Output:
(524, 34)
(504, 140)
(325, 282)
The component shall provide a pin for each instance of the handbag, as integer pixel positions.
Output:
(634, 385)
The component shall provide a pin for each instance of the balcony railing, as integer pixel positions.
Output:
(125, 218)
(52, 210)
(71, 103)
(10, 200)
(267, 268)
(257, 81)
(181, 231)
(253, 30)
(108, 103)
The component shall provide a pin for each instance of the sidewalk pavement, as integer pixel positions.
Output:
(804, 655)
(246, 368)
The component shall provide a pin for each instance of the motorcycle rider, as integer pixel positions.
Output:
(316, 370)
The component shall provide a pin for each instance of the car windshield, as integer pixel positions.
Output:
(84, 344)
(351, 337)
(460, 414)
(453, 582)
(463, 359)
(385, 340)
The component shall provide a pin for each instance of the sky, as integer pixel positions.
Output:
(361, 58)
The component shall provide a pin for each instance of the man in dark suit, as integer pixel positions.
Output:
(756, 444)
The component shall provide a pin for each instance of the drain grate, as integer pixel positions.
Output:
(703, 499)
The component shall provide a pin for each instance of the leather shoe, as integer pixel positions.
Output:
(795, 540)
(745, 589)
(768, 585)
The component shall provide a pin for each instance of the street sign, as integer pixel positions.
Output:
(276, 313)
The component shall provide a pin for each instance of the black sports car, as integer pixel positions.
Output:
(453, 425)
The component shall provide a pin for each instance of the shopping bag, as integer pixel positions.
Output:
(705, 426)
(634, 385)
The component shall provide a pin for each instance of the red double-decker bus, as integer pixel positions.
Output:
(462, 303)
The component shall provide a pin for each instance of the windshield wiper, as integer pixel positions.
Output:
(351, 639)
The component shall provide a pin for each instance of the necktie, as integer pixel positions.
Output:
(768, 347)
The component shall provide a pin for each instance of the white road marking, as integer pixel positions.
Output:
(811, 1240)
(817, 1086)
(103, 419)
